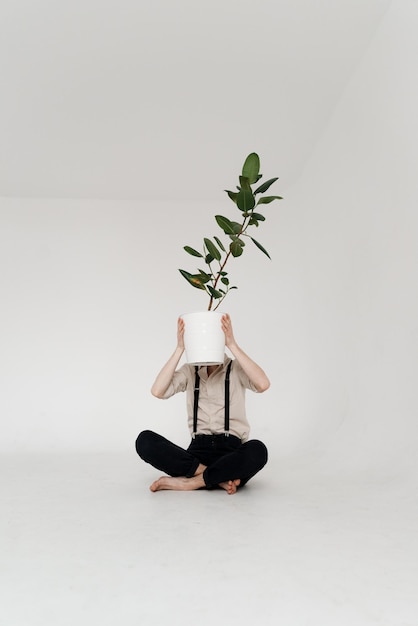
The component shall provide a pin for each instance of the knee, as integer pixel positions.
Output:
(144, 443)
(258, 451)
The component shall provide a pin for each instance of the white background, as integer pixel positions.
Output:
(121, 124)
(89, 286)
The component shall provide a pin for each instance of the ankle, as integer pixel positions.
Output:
(201, 468)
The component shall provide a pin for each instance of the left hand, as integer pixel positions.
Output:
(227, 328)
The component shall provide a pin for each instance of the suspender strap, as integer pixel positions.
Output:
(228, 371)
(196, 399)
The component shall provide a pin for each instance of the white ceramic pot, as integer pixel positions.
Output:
(204, 339)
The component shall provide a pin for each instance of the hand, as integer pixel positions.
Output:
(180, 333)
(254, 372)
(227, 328)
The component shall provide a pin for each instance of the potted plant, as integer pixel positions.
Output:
(214, 278)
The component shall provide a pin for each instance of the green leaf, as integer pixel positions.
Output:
(219, 242)
(236, 248)
(208, 259)
(263, 188)
(260, 247)
(204, 276)
(232, 195)
(245, 184)
(192, 251)
(251, 167)
(194, 279)
(268, 199)
(225, 224)
(214, 293)
(212, 249)
(258, 217)
(225, 280)
(245, 200)
(253, 222)
(240, 241)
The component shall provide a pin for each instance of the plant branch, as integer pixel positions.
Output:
(221, 268)
(246, 201)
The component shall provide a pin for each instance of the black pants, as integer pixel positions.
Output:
(226, 458)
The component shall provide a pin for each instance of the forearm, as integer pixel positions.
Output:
(254, 372)
(164, 377)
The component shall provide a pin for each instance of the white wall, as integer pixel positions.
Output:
(125, 99)
(90, 298)
(348, 285)
(90, 294)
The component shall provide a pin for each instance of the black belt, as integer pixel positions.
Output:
(196, 400)
(214, 436)
(215, 439)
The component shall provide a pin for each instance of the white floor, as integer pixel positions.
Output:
(83, 541)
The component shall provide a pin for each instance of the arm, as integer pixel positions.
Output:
(163, 379)
(253, 371)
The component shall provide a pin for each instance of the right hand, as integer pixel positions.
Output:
(180, 333)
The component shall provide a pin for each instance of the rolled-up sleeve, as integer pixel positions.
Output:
(178, 383)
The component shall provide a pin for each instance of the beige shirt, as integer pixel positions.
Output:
(211, 407)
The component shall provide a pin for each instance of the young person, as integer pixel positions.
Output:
(220, 454)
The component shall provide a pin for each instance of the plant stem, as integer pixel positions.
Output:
(241, 232)
(218, 277)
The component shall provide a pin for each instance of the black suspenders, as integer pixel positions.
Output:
(196, 399)
(228, 371)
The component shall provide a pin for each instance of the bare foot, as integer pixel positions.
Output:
(230, 486)
(180, 483)
(200, 469)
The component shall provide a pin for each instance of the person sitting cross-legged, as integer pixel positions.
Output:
(220, 453)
